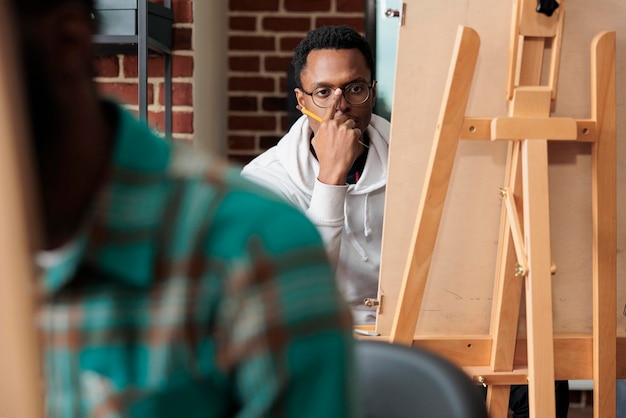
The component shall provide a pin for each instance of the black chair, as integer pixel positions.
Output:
(396, 381)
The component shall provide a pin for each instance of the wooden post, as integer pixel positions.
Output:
(21, 387)
(604, 225)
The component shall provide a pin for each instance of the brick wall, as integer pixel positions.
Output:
(262, 36)
(117, 76)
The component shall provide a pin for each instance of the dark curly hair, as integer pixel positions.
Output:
(330, 37)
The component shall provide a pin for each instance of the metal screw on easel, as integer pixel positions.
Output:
(371, 302)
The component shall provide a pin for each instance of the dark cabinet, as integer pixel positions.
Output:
(138, 27)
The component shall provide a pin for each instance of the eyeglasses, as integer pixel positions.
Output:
(353, 93)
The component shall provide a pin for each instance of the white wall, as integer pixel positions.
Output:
(210, 80)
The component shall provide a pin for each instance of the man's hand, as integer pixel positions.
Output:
(336, 144)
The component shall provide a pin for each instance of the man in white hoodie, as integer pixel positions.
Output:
(332, 163)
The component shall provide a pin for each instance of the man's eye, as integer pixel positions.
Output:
(355, 88)
(322, 93)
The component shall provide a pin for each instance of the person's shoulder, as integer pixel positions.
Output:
(380, 123)
(267, 159)
(240, 207)
(137, 146)
(216, 172)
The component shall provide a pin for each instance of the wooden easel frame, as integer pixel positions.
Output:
(502, 358)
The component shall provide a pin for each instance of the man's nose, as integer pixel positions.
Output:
(343, 104)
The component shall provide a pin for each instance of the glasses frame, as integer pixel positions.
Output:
(343, 93)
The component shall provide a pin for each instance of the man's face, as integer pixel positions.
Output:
(333, 68)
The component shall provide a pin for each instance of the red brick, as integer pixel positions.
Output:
(240, 160)
(183, 11)
(182, 94)
(126, 93)
(350, 5)
(289, 43)
(252, 123)
(247, 63)
(156, 120)
(253, 5)
(244, 23)
(131, 69)
(287, 24)
(266, 142)
(251, 43)
(242, 103)
(355, 22)
(250, 84)
(273, 104)
(182, 122)
(307, 6)
(277, 64)
(284, 123)
(107, 66)
(240, 142)
(182, 39)
(182, 66)
(282, 84)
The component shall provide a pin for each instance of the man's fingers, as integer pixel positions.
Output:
(330, 110)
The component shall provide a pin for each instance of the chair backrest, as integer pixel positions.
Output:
(396, 381)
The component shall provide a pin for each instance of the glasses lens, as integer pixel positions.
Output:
(354, 93)
(322, 96)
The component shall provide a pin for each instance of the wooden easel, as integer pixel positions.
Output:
(525, 251)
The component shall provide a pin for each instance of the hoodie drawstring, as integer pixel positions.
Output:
(366, 224)
(350, 234)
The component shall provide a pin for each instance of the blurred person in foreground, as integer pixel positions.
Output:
(332, 164)
(169, 286)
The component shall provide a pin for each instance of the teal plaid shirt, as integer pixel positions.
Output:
(190, 293)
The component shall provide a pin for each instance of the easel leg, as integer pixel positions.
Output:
(604, 213)
(507, 295)
(436, 186)
(539, 281)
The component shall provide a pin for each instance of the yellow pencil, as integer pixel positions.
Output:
(309, 113)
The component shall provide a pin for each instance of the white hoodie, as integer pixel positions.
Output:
(349, 217)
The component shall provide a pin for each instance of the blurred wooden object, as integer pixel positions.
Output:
(21, 386)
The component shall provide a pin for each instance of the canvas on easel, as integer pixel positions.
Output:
(458, 300)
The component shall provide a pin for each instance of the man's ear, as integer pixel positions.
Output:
(299, 96)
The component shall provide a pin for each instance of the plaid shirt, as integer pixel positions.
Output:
(189, 293)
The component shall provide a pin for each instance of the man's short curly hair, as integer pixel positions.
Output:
(330, 37)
